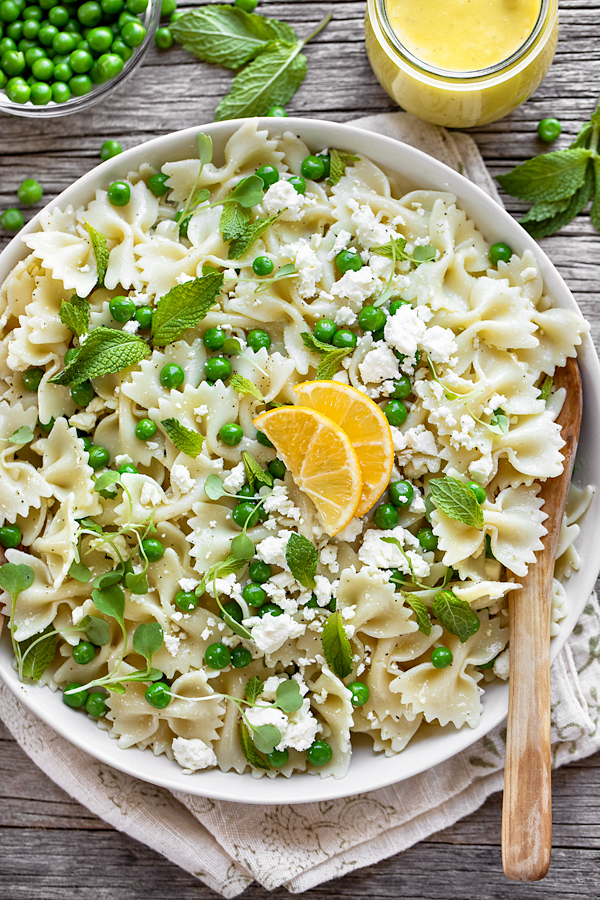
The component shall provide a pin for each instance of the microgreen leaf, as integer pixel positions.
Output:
(147, 640)
(137, 582)
(302, 557)
(424, 253)
(185, 439)
(213, 487)
(552, 176)
(457, 500)
(255, 472)
(266, 737)
(253, 690)
(395, 249)
(455, 615)
(245, 386)
(101, 252)
(339, 160)
(183, 307)
(96, 630)
(116, 688)
(80, 572)
(231, 347)
(220, 569)
(106, 479)
(287, 271)
(105, 350)
(112, 576)
(420, 611)
(288, 696)
(499, 423)
(75, 315)
(236, 627)
(234, 219)
(16, 578)
(228, 36)
(249, 750)
(336, 646)
(110, 601)
(242, 547)
(250, 233)
(204, 146)
(247, 193)
(23, 435)
(36, 661)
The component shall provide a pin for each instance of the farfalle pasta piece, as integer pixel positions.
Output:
(66, 471)
(379, 610)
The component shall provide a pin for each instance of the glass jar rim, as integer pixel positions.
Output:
(449, 74)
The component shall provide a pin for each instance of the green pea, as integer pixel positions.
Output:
(9, 11)
(58, 16)
(298, 183)
(259, 571)
(152, 549)
(158, 184)
(277, 112)
(258, 339)
(269, 609)
(217, 368)
(81, 85)
(10, 536)
(313, 167)
(31, 28)
(395, 412)
(245, 514)
(137, 7)
(81, 61)
(83, 653)
(247, 5)
(158, 695)
(77, 698)
(127, 469)
(64, 42)
(83, 393)
(89, 13)
(46, 34)
(167, 8)
(133, 33)
(231, 434)
(427, 539)
(98, 457)
(401, 493)
(348, 261)
(171, 376)
(478, 490)
(109, 65)
(386, 516)
(441, 657)
(13, 62)
(95, 704)
(60, 92)
(119, 193)
(214, 338)
(254, 595)
(269, 175)
(359, 692)
(163, 38)
(262, 265)
(143, 315)
(217, 656)
(324, 330)
(277, 758)
(319, 753)
(145, 429)
(186, 601)
(33, 55)
(110, 149)
(344, 338)
(240, 657)
(500, 252)
(548, 130)
(277, 468)
(122, 309)
(371, 319)
(402, 388)
(62, 72)
(12, 219)
(32, 378)
(112, 7)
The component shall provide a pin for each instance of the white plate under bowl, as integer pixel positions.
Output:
(431, 745)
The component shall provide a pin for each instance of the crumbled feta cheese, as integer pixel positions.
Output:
(171, 643)
(131, 327)
(404, 330)
(345, 316)
(324, 589)
(271, 632)
(442, 417)
(328, 557)
(301, 729)
(439, 344)
(502, 665)
(188, 584)
(283, 196)
(270, 686)
(378, 553)
(278, 502)
(379, 364)
(464, 437)
(369, 230)
(272, 550)
(267, 715)
(193, 754)
(151, 494)
(308, 264)
(235, 479)
(481, 469)
(351, 531)
(181, 478)
(123, 459)
(200, 411)
(355, 286)
(342, 239)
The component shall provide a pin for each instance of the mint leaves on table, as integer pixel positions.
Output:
(75, 315)
(104, 350)
(331, 356)
(301, 556)
(266, 51)
(455, 615)
(101, 252)
(457, 500)
(185, 439)
(560, 184)
(183, 307)
(336, 646)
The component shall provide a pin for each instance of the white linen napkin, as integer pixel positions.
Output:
(228, 845)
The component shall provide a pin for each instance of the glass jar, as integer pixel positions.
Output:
(459, 99)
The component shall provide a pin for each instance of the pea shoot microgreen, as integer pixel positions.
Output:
(289, 270)
(204, 146)
(15, 578)
(395, 250)
(23, 435)
(546, 388)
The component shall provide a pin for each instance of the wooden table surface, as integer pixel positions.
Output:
(51, 847)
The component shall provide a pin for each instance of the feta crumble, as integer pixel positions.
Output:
(193, 754)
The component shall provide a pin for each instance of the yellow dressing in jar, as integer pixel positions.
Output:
(461, 63)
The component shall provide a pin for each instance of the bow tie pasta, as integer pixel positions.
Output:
(207, 590)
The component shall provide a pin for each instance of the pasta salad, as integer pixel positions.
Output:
(274, 433)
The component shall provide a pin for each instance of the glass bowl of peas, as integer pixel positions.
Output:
(61, 56)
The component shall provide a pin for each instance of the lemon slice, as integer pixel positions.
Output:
(321, 459)
(365, 425)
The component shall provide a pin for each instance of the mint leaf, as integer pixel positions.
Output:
(546, 388)
(75, 315)
(336, 646)
(455, 615)
(96, 630)
(183, 307)
(552, 176)
(253, 690)
(288, 696)
(80, 572)
(544, 219)
(16, 578)
(234, 219)
(271, 79)
(111, 601)
(147, 640)
(330, 364)
(228, 36)
(23, 435)
(101, 252)
(43, 649)
(420, 611)
(249, 235)
(249, 750)
(245, 386)
(302, 557)
(105, 350)
(457, 501)
(338, 162)
(254, 471)
(185, 439)
(315, 344)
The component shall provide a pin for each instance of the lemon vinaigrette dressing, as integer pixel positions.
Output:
(461, 62)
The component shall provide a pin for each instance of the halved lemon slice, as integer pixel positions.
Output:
(365, 425)
(321, 459)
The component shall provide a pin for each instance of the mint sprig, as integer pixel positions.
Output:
(101, 252)
(395, 249)
(302, 557)
(105, 350)
(336, 646)
(248, 748)
(75, 314)
(457, 500)
(245, 386)
(185, 439)
(183, 307)
(455, 615)
(420, 611)
(255, 474)
(332, 356)
(234, 220)
(559, 184)
(249, 234)
(339, 160)
(38, 652)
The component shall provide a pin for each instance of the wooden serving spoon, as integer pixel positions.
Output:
(527, 806)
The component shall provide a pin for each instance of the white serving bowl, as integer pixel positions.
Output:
(431, 746)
